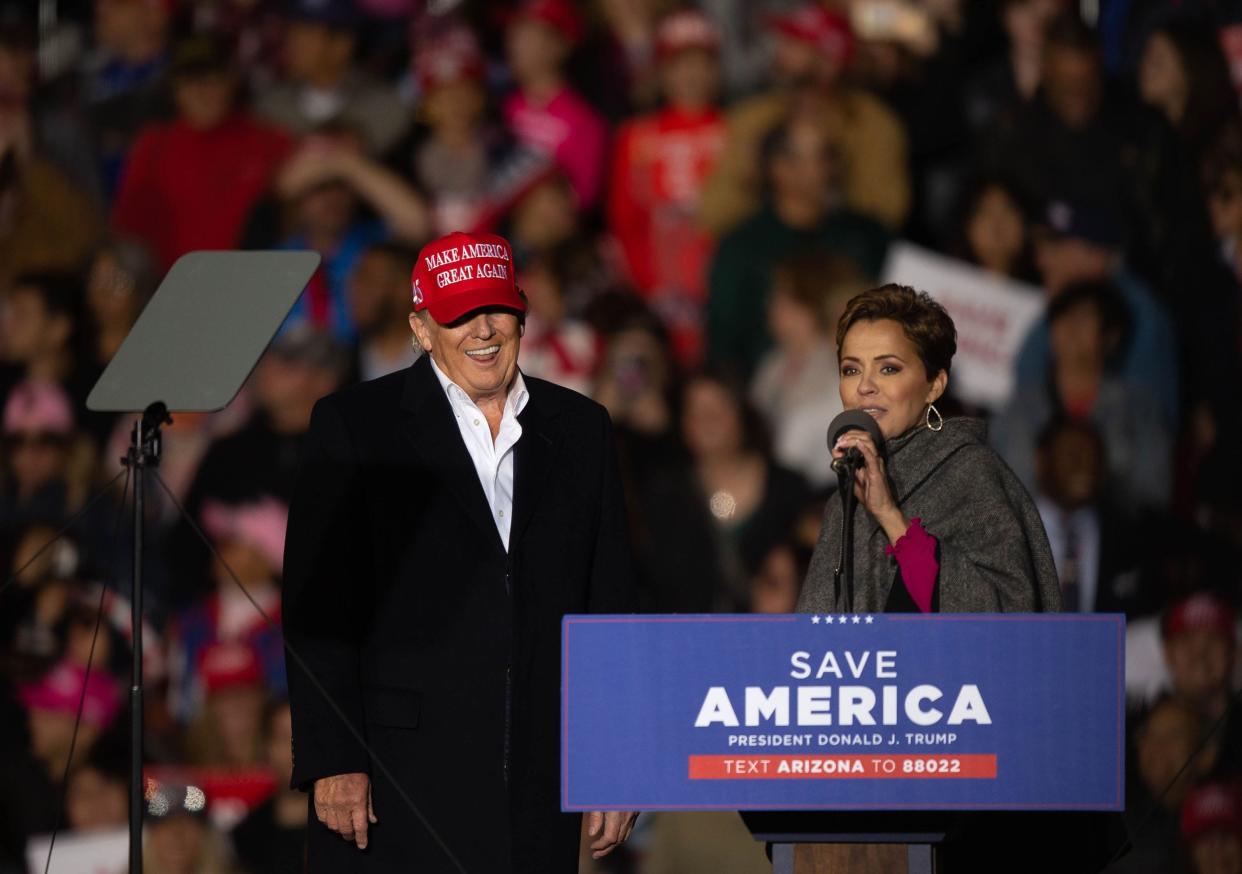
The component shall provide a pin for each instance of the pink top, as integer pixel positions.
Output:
(916, 558)
(567, 128)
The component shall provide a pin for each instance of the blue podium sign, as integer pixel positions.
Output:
(883, 712)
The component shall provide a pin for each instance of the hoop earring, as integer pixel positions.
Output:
(939, 426)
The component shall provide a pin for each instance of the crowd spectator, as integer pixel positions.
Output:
(1087, 326)
(191, 183)
(994, 229)
(179, 837)
(379, 299)
(734, 505)
(800, 213)
(272, 837)
(796, 384)
(545, 111)
(328, 181)
(124, 84)
(660, 164)
(323, 85)
(813, 49)
(556, 346)
(1212, 828)
(1099, 560)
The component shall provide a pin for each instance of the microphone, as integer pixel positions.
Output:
(852, 420)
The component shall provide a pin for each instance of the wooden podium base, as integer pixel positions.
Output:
(853, 859)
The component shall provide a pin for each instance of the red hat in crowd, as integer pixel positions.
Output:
(1201, 612)
(462, 272)
(229, 666)
(684, 31)
(560, 15)
(1212, 807)
(813, 24)
(453, 57)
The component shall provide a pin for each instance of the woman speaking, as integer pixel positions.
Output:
(947, 526)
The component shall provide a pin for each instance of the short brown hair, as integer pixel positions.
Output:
(925, 322)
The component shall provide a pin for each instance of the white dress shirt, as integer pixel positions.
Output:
(493, 460)
(1086, 524)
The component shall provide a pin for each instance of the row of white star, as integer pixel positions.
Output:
(841, 620)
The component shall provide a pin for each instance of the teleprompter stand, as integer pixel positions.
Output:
(190, 351)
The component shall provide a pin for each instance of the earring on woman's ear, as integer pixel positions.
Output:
(939, 426)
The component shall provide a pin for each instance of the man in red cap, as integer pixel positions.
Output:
(1200, 643)
(813, 50)
(660, 164)
(446, 518)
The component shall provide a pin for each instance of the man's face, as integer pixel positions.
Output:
(1225, 205)
(312, 48)
(376, 293)
(478, 352)
(804, 167)
(797, 62)
(26, 327)
(287, 390)
(204, 99)
(691, 79)
(534, 49)
(1200, 664)
(1072, 86)
(118, 23)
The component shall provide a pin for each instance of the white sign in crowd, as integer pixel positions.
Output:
(993, 316)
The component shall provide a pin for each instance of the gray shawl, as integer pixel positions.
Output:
(993, 552)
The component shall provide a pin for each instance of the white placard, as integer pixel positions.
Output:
(96, 852)
(993, 316)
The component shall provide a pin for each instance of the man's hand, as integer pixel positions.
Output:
(343, 804)
(610, 830)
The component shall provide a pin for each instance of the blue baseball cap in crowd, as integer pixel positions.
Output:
(336, 14)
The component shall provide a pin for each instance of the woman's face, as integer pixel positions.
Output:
(883, 375)
(1161, 78)
(711, 423)
(110, 292)
(995, 230)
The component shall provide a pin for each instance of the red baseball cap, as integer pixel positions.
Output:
(1201, 612)
(462, 272)
(686, 30)
(454, 57)
(815, 25)
(560, 15)
(228, 666)
(1211, 807)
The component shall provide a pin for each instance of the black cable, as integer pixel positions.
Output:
(73, 520)
(375, 760)
(1129, 843)
(90, 658)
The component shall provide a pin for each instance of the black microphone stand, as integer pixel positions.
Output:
(144, 452)
(846, 466)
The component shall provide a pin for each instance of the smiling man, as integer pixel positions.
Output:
(447, 516)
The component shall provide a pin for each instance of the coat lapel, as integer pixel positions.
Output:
(436, 437)
(535, 453)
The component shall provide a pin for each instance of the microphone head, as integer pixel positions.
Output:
(855, 420)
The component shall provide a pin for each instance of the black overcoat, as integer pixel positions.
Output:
(440, 648)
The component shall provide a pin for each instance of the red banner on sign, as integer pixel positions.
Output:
(863, 766)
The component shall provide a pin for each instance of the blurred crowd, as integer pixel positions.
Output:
(693, 191)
